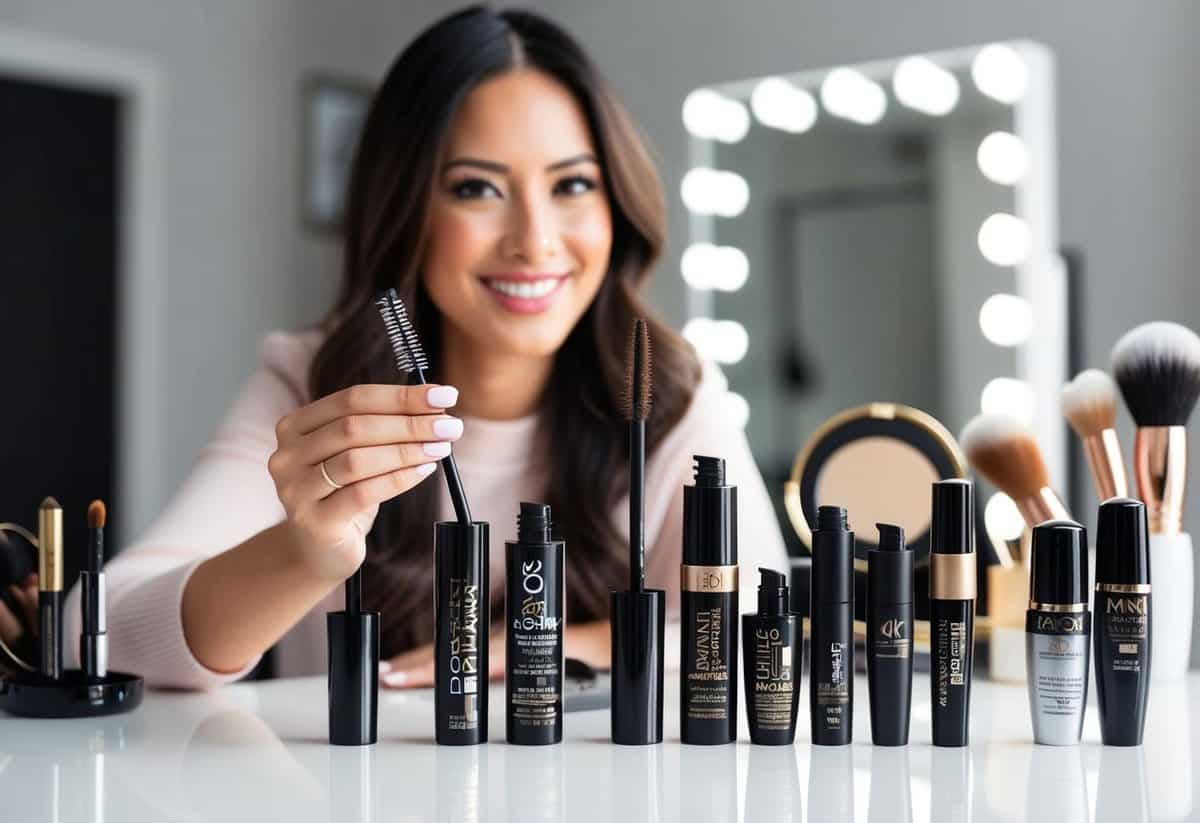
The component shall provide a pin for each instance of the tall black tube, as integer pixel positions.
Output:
(952, 610)
(460, 639)
(831, 651)
(889, 636)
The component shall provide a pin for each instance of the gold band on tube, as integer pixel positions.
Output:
(1058, 608)
(952, 576)
(1124, 588)
(703, 579)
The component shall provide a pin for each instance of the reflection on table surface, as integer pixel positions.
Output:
(258, 752)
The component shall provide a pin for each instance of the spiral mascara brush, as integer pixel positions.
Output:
(410, 359)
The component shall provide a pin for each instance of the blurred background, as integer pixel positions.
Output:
(170, 177)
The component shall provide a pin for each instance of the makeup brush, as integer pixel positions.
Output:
(638, 616)
(1003, 450)
(635, 408)
(410, 359)
(1089, 403)
(93, 640)
(50, 584)
(1157, 366)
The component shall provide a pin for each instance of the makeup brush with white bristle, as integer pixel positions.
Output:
(1003, 450)
(1157, 366)
(1089, 402)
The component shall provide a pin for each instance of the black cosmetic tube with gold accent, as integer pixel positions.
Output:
(952, 610)
(709, 600)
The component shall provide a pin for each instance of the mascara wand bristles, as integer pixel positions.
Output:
(410, 358)
(635, 400)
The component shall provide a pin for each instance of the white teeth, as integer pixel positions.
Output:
(524, 289)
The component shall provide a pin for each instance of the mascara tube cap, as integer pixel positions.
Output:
(353, 644)
(709, 516)
(833, 557)
(1058, 571)
(890, 568)
(772, 593)
(951, 530)
(1122, 543)
(638, 624)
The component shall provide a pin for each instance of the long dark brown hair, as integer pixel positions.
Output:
(386, 209)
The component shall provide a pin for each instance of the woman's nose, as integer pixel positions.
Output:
(532, 235)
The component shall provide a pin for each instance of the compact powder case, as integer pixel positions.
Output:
(878, 461)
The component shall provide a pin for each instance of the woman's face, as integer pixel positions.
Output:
(520, 229)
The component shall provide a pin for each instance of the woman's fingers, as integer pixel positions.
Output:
(348, 501)
(366, 399)
(359, 431)
(354, 465)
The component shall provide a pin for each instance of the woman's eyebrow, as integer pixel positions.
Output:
(500, 168)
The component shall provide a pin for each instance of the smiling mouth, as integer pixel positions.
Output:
(525, 288)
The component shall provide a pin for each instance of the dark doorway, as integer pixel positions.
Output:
(59, 222)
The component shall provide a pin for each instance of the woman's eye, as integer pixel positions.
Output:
(574, 185)
(474, 189)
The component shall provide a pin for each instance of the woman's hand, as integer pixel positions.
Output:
(341, 456)
(589, 642)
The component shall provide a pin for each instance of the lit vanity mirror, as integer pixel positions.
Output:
(873, 238)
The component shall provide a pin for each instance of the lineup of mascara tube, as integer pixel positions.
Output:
(1058, 621)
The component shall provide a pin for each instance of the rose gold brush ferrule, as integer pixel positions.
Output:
(1041, 507)
(1103, 452)
(1160, 469)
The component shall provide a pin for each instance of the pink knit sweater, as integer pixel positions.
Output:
(229, 497)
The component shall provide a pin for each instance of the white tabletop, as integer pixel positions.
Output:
(258, 752)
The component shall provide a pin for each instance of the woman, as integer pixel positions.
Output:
(502, 190)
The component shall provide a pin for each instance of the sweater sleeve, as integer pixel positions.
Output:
(227, 498)
(706, 429)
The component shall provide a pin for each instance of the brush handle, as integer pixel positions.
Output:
(354, 592)
(637, 505)
(1171, 588)
(462, 512)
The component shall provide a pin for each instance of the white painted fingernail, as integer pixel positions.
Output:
(439, 449)
(442, 397)
(426, 469)
(384, 667)
(396, 679)
(448, 428)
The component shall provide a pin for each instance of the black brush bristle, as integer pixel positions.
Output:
(406, 346)
(1157, 366)
(635, 395)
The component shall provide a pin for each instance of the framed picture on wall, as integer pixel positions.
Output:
(333, 112)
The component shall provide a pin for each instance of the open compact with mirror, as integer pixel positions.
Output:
(881, 238)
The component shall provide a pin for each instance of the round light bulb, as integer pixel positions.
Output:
(1004, 240)
(1007, 395)
(1003, 158)
(780, 105)
(850, 95)
(1006, 320)
(923, 85)
(711, 116)
(1003, 518)
(1000, 73)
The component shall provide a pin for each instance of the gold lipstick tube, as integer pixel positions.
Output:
(50, 584)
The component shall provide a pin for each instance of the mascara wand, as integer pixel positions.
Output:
(410, 359)
(636, 408)
(637, 616)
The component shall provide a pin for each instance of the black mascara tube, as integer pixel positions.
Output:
(709, 600)
(952, 610)
(831, 650)
(461, 625)
(889, 636)
(1121, 621)
(534, 620)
